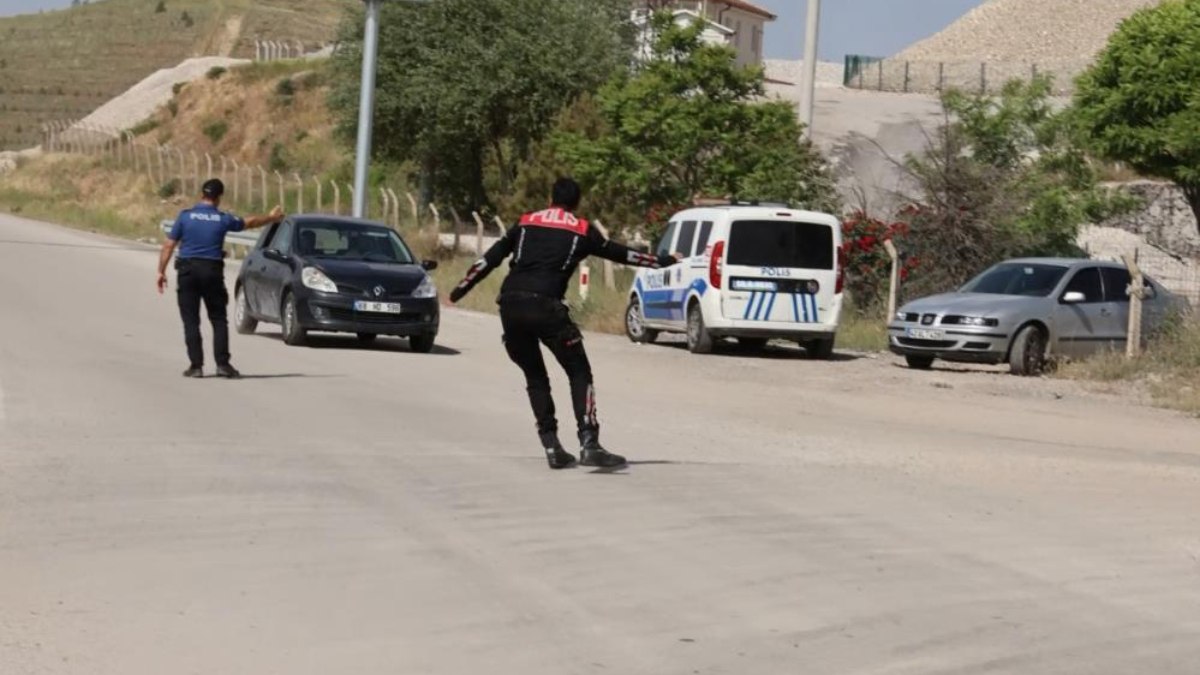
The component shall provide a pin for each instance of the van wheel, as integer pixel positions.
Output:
(699, 340)
(820, 350)
(293, 333)
(635, 324)
(242, 321)
(1028, 354)
(919, 362)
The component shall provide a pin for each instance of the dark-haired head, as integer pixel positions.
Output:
(566, 194)
(213, 190)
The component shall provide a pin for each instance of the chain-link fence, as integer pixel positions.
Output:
(931, 77)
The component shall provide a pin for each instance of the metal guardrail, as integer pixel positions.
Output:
(247, 239)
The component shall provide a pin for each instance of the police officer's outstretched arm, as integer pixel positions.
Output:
(484, 266)
(255, 222)
(601, 246)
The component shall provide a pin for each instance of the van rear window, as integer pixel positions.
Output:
(774, 243)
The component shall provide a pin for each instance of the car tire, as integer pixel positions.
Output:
(293, 333)
(422, 344)
(635, 324)
(367, 338)
(820, 350)
(243, 323)
(919, 362)
(753, 344)
(1027, 357)
(699, 340)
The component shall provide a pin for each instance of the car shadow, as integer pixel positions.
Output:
(389, 345)
(962, 369)
(770, 352)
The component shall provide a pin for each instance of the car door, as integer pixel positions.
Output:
(678, 277)
(252, 270)
(1078, 320)
(655, 290)
(1115, 313)
(276, 271)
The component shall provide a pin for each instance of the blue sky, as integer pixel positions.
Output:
(871, 27)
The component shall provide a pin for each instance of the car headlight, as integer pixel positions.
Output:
(315, 279)
(902, 316)
(977, 321)
(427, 289)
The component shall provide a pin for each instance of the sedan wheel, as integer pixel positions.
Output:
(422, 344)
(242, 321)
(293, 333)
(1028, 354)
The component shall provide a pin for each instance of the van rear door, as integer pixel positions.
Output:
(780, 271)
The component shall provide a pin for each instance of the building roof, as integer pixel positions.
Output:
(747, 6)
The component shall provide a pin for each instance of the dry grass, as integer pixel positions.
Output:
(862, 333)
(1169, 370)
(65, 64)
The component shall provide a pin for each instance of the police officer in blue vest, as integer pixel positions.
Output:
(199, 232)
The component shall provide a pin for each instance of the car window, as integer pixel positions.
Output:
(1116, 284)
(664, 244)
(702, 241)
(353, 242)
(264, 242)
(781, 243)
(282, 241)
(687, 235)
(1087, 281)
(1025, 279)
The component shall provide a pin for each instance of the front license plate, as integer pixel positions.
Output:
(377, 307)
(925, 334)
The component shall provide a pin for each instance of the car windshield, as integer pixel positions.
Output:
(1027, 279)
(346, 241)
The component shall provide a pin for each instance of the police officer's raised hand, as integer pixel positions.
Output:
(276, 214)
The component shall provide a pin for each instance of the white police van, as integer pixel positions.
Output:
(748, 271)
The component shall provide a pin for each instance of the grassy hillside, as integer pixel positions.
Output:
(65, 64)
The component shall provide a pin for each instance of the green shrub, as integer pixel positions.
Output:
(216, 72)
(170, 188)
(173, 106)
(179, 86)
(145, 127)
(216, 131)
(285, 89)
(277, 162)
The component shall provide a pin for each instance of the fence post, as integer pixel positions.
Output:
(395, 208)
(282, 194)
(478, 233)
(907, 70)
(412, 202)
(299, 193)
(437, 219)
(893, 280)
(366, 209)
(1034, 72)
(983, 77)
(457, 228)
(585, 280)
(387, 204)
(500, 224)
(262, 174)
(881, 74)
(237, 180)
(337, 198)
(1137, 292)
(320, 196)
(208, 164)
(195, 172)
(610, 279)
(941, 76)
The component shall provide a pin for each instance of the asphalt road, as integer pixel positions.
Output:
(347, 510)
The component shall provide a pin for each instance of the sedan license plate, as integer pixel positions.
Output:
(377, 307)
(925, 334)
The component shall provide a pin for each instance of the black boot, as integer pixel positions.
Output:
(194, 371)
(556, 456)
(229, 372)
(594, 455)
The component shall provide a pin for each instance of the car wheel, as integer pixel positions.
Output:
(820, 350)
(699, 340)
(1028, 354)
(242, 321)
(635, 324)
(367, 338)
(919, 362)
(293, 333)
(422, 344)
(753, 344)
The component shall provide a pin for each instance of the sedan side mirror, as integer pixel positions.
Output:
(1073, 298)
(429, 265)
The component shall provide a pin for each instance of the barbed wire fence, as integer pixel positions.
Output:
(933, 77)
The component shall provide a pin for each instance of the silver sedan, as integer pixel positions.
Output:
(1024, 312)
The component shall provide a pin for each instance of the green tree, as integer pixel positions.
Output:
(687, 124)
(466, 82)
(1138, 102)
(1003, 176)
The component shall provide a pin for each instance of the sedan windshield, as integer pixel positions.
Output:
(1031, 280)
(345, 241)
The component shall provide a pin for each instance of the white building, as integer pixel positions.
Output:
(738, 23)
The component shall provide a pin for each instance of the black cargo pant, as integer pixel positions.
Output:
(203, 281)
(530, 321)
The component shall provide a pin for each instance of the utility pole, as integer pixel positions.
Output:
(366, 107)
(808, 93)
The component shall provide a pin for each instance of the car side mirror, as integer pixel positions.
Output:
(429, 265)
(1073, 298)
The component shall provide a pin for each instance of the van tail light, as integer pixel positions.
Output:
(716, 264)
(841, 271)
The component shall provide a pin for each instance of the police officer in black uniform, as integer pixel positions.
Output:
(199, 232)
(546, 247)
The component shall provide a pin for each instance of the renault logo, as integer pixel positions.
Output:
(379, 290)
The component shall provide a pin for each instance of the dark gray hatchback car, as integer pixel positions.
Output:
(344, 275)
(1022, 312)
